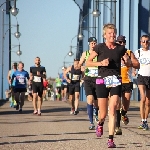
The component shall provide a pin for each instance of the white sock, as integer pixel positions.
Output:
(143, 120)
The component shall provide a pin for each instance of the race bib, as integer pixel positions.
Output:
(21, 80)
(37, 79)
(112, 81)
(109, 81)
(75, 77)
(93, 72)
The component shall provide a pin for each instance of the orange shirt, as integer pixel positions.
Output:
(126, 71)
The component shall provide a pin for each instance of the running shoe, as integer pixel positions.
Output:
(92, 126)
(72, 111)
(17, 107)
(118, 131)
(20, 110)
(35, 112)
(99, 131)
(111, 144)
(125, 119)
(76, 112)
(141, 126)
(96, 119)
(145, 128)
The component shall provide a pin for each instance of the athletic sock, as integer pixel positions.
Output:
(90, 112)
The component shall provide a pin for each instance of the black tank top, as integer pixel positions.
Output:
(75, 74)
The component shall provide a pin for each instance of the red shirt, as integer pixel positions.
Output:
(45, 83)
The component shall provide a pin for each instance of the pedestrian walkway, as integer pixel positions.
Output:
(56, 129)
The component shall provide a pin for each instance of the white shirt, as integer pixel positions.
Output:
(144, 60)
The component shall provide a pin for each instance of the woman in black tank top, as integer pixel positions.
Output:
(108, 83)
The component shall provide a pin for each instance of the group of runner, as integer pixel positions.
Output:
(108, 72)
(107, 75)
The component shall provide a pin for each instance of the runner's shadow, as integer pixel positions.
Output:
(40, 141)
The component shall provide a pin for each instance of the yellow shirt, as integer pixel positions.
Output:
(126, 71)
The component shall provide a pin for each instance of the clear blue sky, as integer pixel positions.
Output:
(47, 27)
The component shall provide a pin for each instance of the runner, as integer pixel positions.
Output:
(127, 87)
(58, 88)
(36, 75)
(63, 85)
(143, 55)
(9, 77)
(109, 56)
(89, 83)
(20, 87)
(74, 85)
(45, 86)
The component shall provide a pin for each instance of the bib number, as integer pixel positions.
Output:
(109, 81)
(93, 72)
(75, 77)
(37, 79)
(21, 80)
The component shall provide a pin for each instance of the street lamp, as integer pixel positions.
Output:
(96, 12)
(14, 11)
(80, 35)
(17, 34)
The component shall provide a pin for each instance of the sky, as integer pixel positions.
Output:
(47, 28)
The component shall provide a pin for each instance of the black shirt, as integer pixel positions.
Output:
(34, 70)
(114, 55)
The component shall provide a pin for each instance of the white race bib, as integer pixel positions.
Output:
(93, 72)
(37, 79)
(75, 77)
(112, 81)
(21, 80)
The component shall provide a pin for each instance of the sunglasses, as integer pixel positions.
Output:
(120, 42)
(145, 41)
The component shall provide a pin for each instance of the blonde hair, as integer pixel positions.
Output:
(109, 26)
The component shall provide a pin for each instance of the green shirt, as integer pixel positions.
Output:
(58, 82)
(91, 71)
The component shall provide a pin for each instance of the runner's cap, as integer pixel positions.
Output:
(92, 39)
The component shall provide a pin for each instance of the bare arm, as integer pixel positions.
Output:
(90, 63)
(82, 59)
(135, 62)
(65, 73)
(8, 77)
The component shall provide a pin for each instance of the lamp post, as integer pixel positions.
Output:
(97, 12)
(14, 11)
(70, 53)
(80, 35)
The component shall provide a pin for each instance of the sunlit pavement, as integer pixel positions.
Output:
(57, 129)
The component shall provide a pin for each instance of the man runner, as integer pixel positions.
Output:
(127, 87)
(37, 72)
(89, 83)
(143, 55)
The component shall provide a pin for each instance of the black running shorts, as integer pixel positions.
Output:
(127, 87)
(90, 86)
(144, 80)
(74, 87)
(37, 88)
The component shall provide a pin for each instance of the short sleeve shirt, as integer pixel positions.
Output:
(114, 55)
(34, 70)
(20, 77)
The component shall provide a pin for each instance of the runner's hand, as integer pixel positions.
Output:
(68, 80)
(105, 62)
(127, 60)
(134, 73)
(82, 68)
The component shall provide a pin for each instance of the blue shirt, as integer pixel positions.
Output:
(11, 74)
(20, 77)
(64, 81)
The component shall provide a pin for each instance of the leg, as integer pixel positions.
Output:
(40, 93)
(34, 93)
(22, 98)
(17, 95)
(65, 93)
(142, 90)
